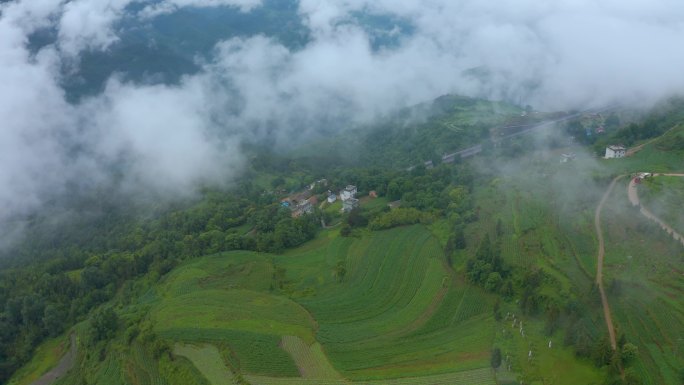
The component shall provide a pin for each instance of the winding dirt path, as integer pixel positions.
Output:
(633, 195)
(64, 365)
(599, 264)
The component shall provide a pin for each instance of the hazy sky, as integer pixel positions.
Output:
(169, 138)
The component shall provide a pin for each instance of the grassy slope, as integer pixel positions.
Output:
(45, 358)
(646, 263)
(549, 228)
(544, 225)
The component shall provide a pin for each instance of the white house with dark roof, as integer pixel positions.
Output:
(615, 151)
(349, 192)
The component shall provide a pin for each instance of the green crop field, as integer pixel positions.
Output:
(396, 313)
(140, 368)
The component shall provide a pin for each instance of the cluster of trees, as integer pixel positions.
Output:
(398, 217)
(486, 268)
(275, 229)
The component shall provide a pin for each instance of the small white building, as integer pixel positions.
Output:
(349, 192)
(615, 151)
(332, 198)
(350, 204)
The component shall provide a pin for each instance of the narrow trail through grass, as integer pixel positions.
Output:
(599, 264)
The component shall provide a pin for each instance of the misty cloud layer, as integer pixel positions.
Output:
(170, 138)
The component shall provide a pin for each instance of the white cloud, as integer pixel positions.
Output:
(580, 52)
(170, 6)
(160, 135)
(170, 138)
(88, 24)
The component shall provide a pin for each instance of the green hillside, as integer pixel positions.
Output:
(489, 263)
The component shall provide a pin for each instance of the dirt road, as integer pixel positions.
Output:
(599, 263)
(65, 363)
(633, 195)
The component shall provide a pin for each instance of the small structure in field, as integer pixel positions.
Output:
(615, 151)
(641, 176)
(350, 204)
(373, 194)
(568, 157)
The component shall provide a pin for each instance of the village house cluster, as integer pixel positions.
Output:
(303, 202)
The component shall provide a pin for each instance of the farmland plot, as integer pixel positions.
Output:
(208, 361)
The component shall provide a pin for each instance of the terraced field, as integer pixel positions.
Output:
(367, 324)
(141, 369)
(396, 312)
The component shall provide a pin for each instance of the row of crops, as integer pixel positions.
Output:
(482, 376)
(371, 326)
(256, 353)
